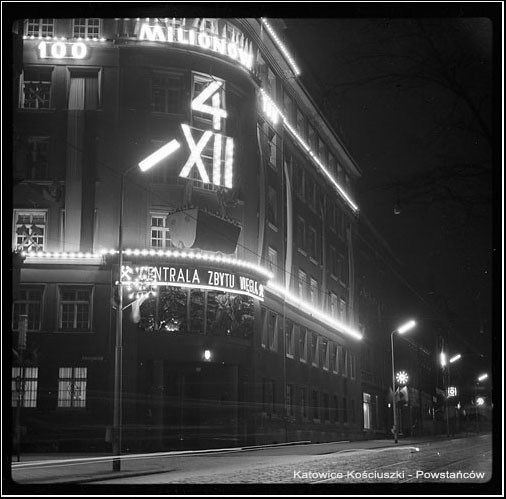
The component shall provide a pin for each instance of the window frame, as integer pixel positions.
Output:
(40, 25)
(23, 81)
(87, 26)
(28, 287)
(75, 313)
(20, 211)
(73, 379)
(166, 91)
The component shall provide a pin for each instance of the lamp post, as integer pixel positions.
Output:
(401, 330)
(144, 165)
(446, 367)
(478, 401)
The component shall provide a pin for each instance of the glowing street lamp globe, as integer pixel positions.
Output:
(402, 378)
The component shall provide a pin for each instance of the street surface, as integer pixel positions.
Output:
(460, 460)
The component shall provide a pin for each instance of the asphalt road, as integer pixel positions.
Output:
(458, 460)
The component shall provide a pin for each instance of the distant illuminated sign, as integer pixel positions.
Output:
(402, 377)
(451, 391)
(62, 50)
(240, 52)
(188, 276)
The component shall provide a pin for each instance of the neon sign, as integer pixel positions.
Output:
(191, 37)
(62, 50)
(191, 276)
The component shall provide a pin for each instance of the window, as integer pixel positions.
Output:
(313, 292)
(289, 400)
(166, 93)
(271, 140)
(314, 349)
(298, 180)
(322, 152)
(339, 359)
(303, 344)
(84, 90)
(272, 331)
(301, 122)
(342, 310)
(87, 27)
(72, 387)
(332, 356)
(208, 24)
(325, 403)
(336, 408)
(323, 350)
(30, 230)
(270, 84)
(160, 232)
(29, 303)
(24, 386)
(315, 404)
(34, 159)
(272, 260)
(303, 402)
(36, 88)
(302, 284)
(272, 206)
(288, 106)
(367, 410)
(39, 27)
(312, 138)
(345, 410)
(204, 120)
(289, 339)
(313, 244)
(75, 308)
(333, 305)
(333, 165)
(300, 233)
(333, 262)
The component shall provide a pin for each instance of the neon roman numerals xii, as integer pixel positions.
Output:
(209, 102)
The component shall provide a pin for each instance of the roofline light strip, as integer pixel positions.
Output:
(245, 265)
(281, 46)
(190, 255)
(318, 314)
(310, 152)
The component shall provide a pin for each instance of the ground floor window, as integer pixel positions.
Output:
(198, 311)
(29, 303)
(24, 386)
(72, 383)
(367, 410)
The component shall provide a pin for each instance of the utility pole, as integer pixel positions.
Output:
(20, 381)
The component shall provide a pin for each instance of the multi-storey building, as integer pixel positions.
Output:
(237, 273)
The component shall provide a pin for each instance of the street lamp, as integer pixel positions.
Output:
(446, 366)
(144, 165)
(401, 330)
(478, 400)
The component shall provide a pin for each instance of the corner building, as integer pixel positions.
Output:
(239, 323)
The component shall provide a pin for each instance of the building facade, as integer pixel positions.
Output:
(195, 140)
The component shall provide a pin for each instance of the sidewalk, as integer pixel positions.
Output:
(76, 468)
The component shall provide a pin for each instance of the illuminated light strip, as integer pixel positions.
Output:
(308, 150)
(196, 149)
(318, 314)
(196, 256)
(158, 155)
(217, 159)
(281, 46)
(229, 160)
(62, 38)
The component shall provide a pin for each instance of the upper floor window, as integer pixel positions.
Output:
(300, 233)
(166, 93)
(272, 260)
(160, 232)
(84, 89)
(29, 303)
(24, 386)
(72, 383)
(333, 305)
(39, 27)
(204, 120)
(302, 284)
(288, 106)
(272, 206)
(303, 344)
(298, 180)
(30, 229)
(343, 311)
(32, 159)
(272, 143)
(87, 27)
(312, 138)
(314, 349)
(75, 308)
(35, 88)
(300, 123)
(289, 339)
(313, 292)
(270, 83)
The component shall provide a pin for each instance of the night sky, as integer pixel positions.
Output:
(424, 147)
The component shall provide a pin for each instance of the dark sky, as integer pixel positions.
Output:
(397, 127)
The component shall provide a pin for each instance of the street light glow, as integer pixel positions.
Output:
(455, 358)
(482, 377)
(406, 327)
(442, 359)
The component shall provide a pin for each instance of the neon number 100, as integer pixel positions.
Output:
(60, 50)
